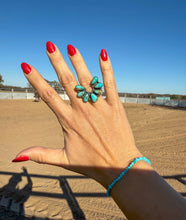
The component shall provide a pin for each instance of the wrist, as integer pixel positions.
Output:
(131, 179)
(114, 171)
(124, 172)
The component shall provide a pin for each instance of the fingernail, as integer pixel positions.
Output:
(50, 47)
(21, 159)
(26, 68)
(71, 50)
(104, 55)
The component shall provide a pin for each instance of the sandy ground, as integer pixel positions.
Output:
(54, 193)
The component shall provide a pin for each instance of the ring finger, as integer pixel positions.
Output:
(83, 74)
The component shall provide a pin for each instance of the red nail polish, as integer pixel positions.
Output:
(26, 68)
(71, 50)
(50, 47)
(21, 159)
(104, 55)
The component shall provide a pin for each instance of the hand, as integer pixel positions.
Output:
(97, 136)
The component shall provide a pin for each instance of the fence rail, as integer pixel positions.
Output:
(125, 99)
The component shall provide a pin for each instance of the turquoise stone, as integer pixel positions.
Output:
(80, 94)
(98, 85)
(94, 80)
(94, 97)
(79, 88)
(86, 98)
(98, 92)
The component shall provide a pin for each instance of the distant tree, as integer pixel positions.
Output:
(56, 85)
(1, 80)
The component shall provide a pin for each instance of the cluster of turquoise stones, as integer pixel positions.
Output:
(93, 95)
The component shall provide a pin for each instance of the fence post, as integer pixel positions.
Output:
(137, 100)
(125, 98)
(12, 93)
(150, 99)
(26, 93)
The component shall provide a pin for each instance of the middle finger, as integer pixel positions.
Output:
(83, 74)
(65, 76)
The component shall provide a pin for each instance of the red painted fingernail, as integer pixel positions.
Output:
(21, 159)
(50, 47)
(26, 68)
(104, 55)
(71, 50)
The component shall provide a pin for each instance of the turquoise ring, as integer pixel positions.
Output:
(93, 95)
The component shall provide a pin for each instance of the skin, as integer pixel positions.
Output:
(99, 143)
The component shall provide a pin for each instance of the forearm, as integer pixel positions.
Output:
(147, 196)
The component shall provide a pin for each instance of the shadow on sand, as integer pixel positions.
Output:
(12, 198)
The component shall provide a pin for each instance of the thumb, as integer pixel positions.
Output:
(43, 155)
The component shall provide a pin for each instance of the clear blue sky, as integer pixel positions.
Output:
(145, 39)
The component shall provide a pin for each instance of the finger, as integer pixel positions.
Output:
(65, 76)
(108, 78)
(83, 74)
(43, 155)
(47, 93)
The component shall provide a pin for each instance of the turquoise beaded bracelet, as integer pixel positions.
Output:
(124, 172)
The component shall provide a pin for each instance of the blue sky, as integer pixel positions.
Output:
(145, 40)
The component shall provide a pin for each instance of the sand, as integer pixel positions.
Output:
(51, 192)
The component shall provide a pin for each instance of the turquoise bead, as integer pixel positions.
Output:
(80, 94)
(98, 92)
(79, 88)
(86, 98)
(98, 85)
(94, 80)
(94, 97)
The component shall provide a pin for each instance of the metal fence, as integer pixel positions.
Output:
(29, 95)
(23, 95)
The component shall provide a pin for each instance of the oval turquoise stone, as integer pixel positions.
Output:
(98, 92)
(79, 88)
(80, 94)
(94, 97)
(86, 98)
(98, 85)
(94, 80)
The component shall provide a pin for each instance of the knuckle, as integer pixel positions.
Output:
(109, 84)
(48, 94)
(66, 79)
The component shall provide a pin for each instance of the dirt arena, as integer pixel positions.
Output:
(50, 192)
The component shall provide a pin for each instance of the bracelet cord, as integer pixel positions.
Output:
(124, 172)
